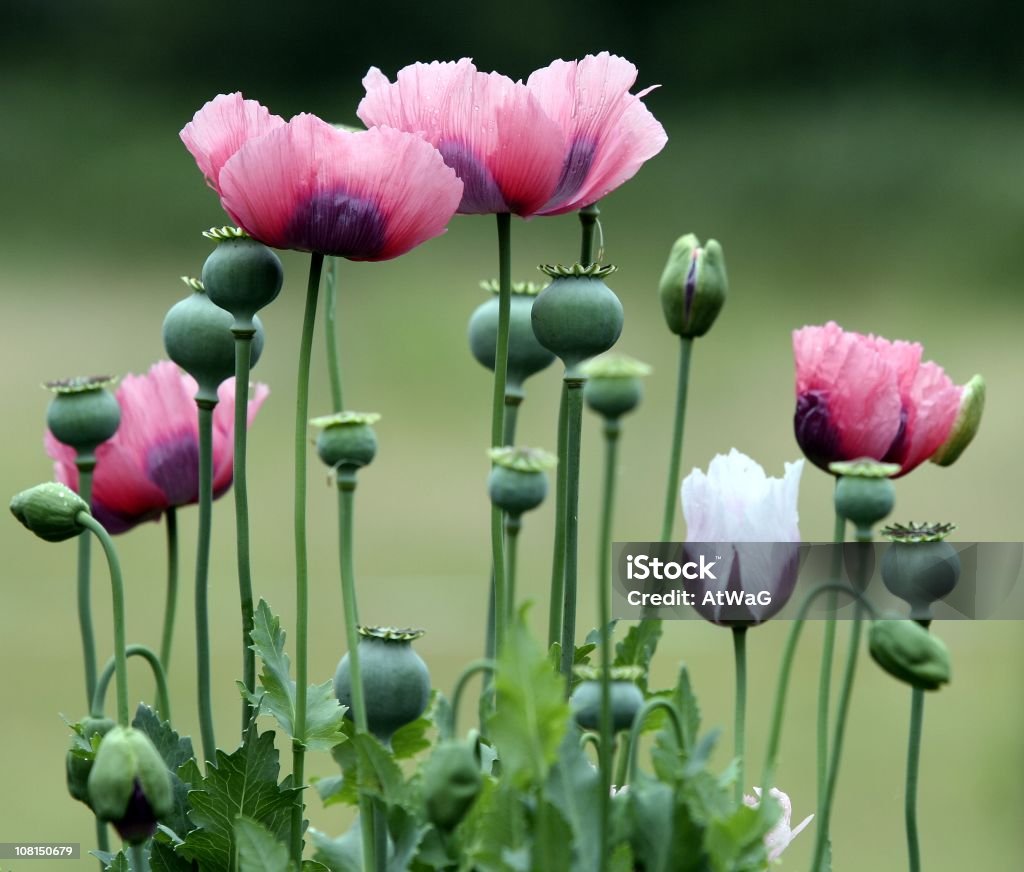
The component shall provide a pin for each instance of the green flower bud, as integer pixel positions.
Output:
(625, 697)
(83, 413)
(451, 783)
(907, 651)
(864, 495)
(577, 316)
(919, 567)
(129, 784)
(241, 275)
(968, 419)
(50, 510)
(526, 356)
(79, 760)
(693, 286)
(518, 482)
(346, 439)
(613, 385)
(198, 337)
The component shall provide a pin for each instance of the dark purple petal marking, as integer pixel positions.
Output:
(139, 822)
(815, 435)
(895, 454)
(480, 193)
(690, 288)
(338, 224)
(575, 169)
(173, 466)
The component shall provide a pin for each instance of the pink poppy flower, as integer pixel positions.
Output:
(569, 136)
(152, 462)
(779, 837)
(305, 185)
(864, 396)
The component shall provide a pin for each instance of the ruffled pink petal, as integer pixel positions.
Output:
(609, 133)
(491, 131)
(224, 430)
(371, 195)
(220, 128)
(933, 403)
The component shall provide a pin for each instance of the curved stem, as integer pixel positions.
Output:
(589, 738)
(573, 433)
(316, 263)
(622, 767)
(913, 761)
(171, 602)
(86, 462)
(117, 593)
(675, 457)
(205, 702)
(243, 351)
(558, 553)
(163, 698)
(588, 223)
(638, 722)
(739, 642)
(485, 665)
(331, 334)
(825, 674)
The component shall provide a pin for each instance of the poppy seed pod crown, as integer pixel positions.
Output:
(83, 413)
(241, 275)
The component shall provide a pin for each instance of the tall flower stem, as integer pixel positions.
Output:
(913, 761)
(739, 644)
(512, 527)
(139, 861)
(588, 224)
(369, 821)
(205, 703)
(171, 602)
(675, 457)
(243, 351)
(301, 556)
(86, 463)
(573, 434)
(448, 731)
(558, 554)
(331, 334)
(163, 698)
(117, 594)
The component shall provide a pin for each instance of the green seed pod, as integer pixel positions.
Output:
(78, 763)
(518, 482)
(241, 274)
(920, 567)
(396, 683)
(346, 439)
(626, 698)
(83, 413)
(613, 385)
(864, 495)
(577, 316)
(693, 286)
(907, 651)
(197, 336)
(968, 419)
(129, 784)
(451, 783)
(50, 510)
(526, 356)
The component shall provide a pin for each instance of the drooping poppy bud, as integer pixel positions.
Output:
(451, 783)
(79, 761)
(50, 510)
(908, 652)
(518, 480)
(693, 286)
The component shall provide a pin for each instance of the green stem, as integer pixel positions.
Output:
(171, 602)
(675, 457)
(588, 223)
(558, 555)
(205, 702)
(638, 722)
(163, 698)
(139, 862)
(301, 556)
(86, 463)
(573, 433)
(913, 761)
(243, 352)
(472, 669)
(117, 593)
(102, 840)
(331, 334)
(512, 527)
(739, 642)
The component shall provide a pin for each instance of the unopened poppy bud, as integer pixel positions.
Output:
(864, 494)
(626, 698)
(518, 481)
(79, 761)
(577, 316)
(526, 356)
(241, 275)
(693, 286)
(129, 784)
(613, 385)
(907, 651)
(83, 413)
(50, 510)
(965, 426)
(451, 783)
(347, 439)
(919, 566)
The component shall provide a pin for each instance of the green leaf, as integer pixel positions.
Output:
(162, 858)
(685, 701)
(638, 647)
(494, 830)
(258, 850)
(176, 752)
(552, 841)
(574, 787)
(594, 636)
(366, 767)
(665, 837)
(406, 834)
(119, 863)
(324, 717)
(531, 715)
(243, 783)
(343, 854)
(736, 843)
(410, 740)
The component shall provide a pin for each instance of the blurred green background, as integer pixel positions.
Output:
(858, 163)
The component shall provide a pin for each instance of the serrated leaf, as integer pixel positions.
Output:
(367, 767)
(531, 716)
(594, 636)
(119, 863)
(324, 718)
(258, 850)
(176, 751)
(343, 854)
(638, 647)
(162, 858)
(410, 740)
(105, 857)
(736, 843)
(665, 837)
(406, 833)
(494, 830)
(552, 841)
(573, 787)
